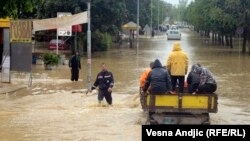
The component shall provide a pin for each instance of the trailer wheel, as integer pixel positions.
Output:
(151, 122)
(207, 122)
(148, 122)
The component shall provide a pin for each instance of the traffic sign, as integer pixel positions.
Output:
(239, 30)
(64, 31)
(67, 30)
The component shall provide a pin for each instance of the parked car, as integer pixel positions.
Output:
(173, 27)
(62, 45)
(173, 34)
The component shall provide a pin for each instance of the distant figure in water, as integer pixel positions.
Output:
(75, 65)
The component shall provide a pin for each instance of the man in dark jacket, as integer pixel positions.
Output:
(207, 82)
(193, 78)
(105, 82)
(201, 80)
(158, 79)
(75, 65)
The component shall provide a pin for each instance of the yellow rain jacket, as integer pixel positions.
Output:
(177, 61)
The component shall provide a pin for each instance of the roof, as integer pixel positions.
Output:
(130, 25)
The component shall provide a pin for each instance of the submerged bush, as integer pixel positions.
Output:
(101, 41)
(51, 59)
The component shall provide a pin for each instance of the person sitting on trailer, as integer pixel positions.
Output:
(193, 79)
(142, 81)
(145, 75)
(207, 83)
(158, 80)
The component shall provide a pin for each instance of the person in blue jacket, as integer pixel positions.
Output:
(105, 82)
(158, 80)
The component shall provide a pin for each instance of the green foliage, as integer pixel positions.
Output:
(18, 8)
(145, 11)
(107, 15)
(49, 8)
(178, 13)
(51, 59)
(107, 39)
(101, 41)
(221, 16)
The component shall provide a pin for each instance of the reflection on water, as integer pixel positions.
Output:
(50, 111)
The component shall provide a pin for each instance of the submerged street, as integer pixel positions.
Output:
(55, 108)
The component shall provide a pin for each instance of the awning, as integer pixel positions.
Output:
(130, 25)
(54, 23)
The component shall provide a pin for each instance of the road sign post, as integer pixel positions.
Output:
(64, 31)
(89, 49)
(239, 31)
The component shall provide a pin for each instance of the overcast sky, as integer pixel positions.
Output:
(176, 2)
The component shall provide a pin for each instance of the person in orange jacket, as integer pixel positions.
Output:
(143, 79)
(145, 75)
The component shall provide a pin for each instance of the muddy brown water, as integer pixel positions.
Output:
(50, 111)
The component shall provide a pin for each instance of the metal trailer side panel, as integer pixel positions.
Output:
(187, 103)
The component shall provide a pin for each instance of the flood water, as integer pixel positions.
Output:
(55, 108)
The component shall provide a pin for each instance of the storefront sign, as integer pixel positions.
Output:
(21, 31)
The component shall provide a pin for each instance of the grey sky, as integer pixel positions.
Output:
(176, 2)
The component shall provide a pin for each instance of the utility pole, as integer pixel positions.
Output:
(89, 50)
(137, 35)
(75, 41)
(158, 16)
(57, 41)
(151, 19)
(162, 14)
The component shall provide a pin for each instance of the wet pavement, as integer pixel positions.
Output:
(55, 108)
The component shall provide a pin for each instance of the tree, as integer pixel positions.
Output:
(108, 15)
(49, 8)
(18, 8)
(220, 16)
(145, 8)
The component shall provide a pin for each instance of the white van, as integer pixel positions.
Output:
(173, 34)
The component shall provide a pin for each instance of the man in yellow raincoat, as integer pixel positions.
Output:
(177, 65)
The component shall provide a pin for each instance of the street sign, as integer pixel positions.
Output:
(67, 30)
(239, 30)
